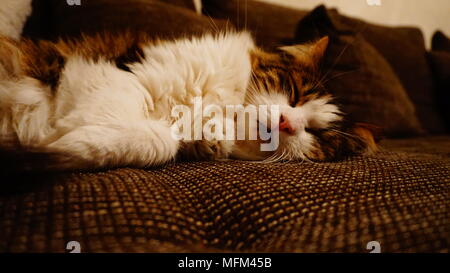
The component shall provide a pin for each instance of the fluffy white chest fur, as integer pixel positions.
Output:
(116, 117)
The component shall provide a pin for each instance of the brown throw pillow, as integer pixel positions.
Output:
(440, 63)
(163, 19)
(189, 4)
(271, 25)
(359, 77)
(404, 49)
(440, 42)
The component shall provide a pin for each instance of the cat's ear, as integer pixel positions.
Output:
(310, 53)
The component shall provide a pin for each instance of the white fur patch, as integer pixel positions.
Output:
(13, 15)
(319, 113)
(216, 68)
(114, 118)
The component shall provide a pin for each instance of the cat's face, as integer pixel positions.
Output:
(310, 126)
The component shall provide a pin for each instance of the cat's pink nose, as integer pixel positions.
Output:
(286, 125)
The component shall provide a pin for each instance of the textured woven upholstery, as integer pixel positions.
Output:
(399, 198)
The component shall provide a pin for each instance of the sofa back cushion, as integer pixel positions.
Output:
(158, 18)
(271, 25)
(404, 49)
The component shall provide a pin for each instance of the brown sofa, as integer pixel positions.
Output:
(398, 196)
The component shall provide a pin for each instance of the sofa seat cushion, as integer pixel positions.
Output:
(397, 197)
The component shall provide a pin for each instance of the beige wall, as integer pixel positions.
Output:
(429, 15)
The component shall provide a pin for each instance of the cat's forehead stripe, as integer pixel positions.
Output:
(278, 73)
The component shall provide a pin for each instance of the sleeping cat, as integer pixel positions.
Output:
(106, 101)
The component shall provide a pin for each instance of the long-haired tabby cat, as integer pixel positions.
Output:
(106, 101)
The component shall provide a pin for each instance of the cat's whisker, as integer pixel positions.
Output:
(323, 81)
(302, 161)
(345, 134)
(270, 159)
(245, 16)
(276, 157)
(350, 137)
(212, 23)
(340, 75)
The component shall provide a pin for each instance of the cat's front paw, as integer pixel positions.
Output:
(206, 150)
